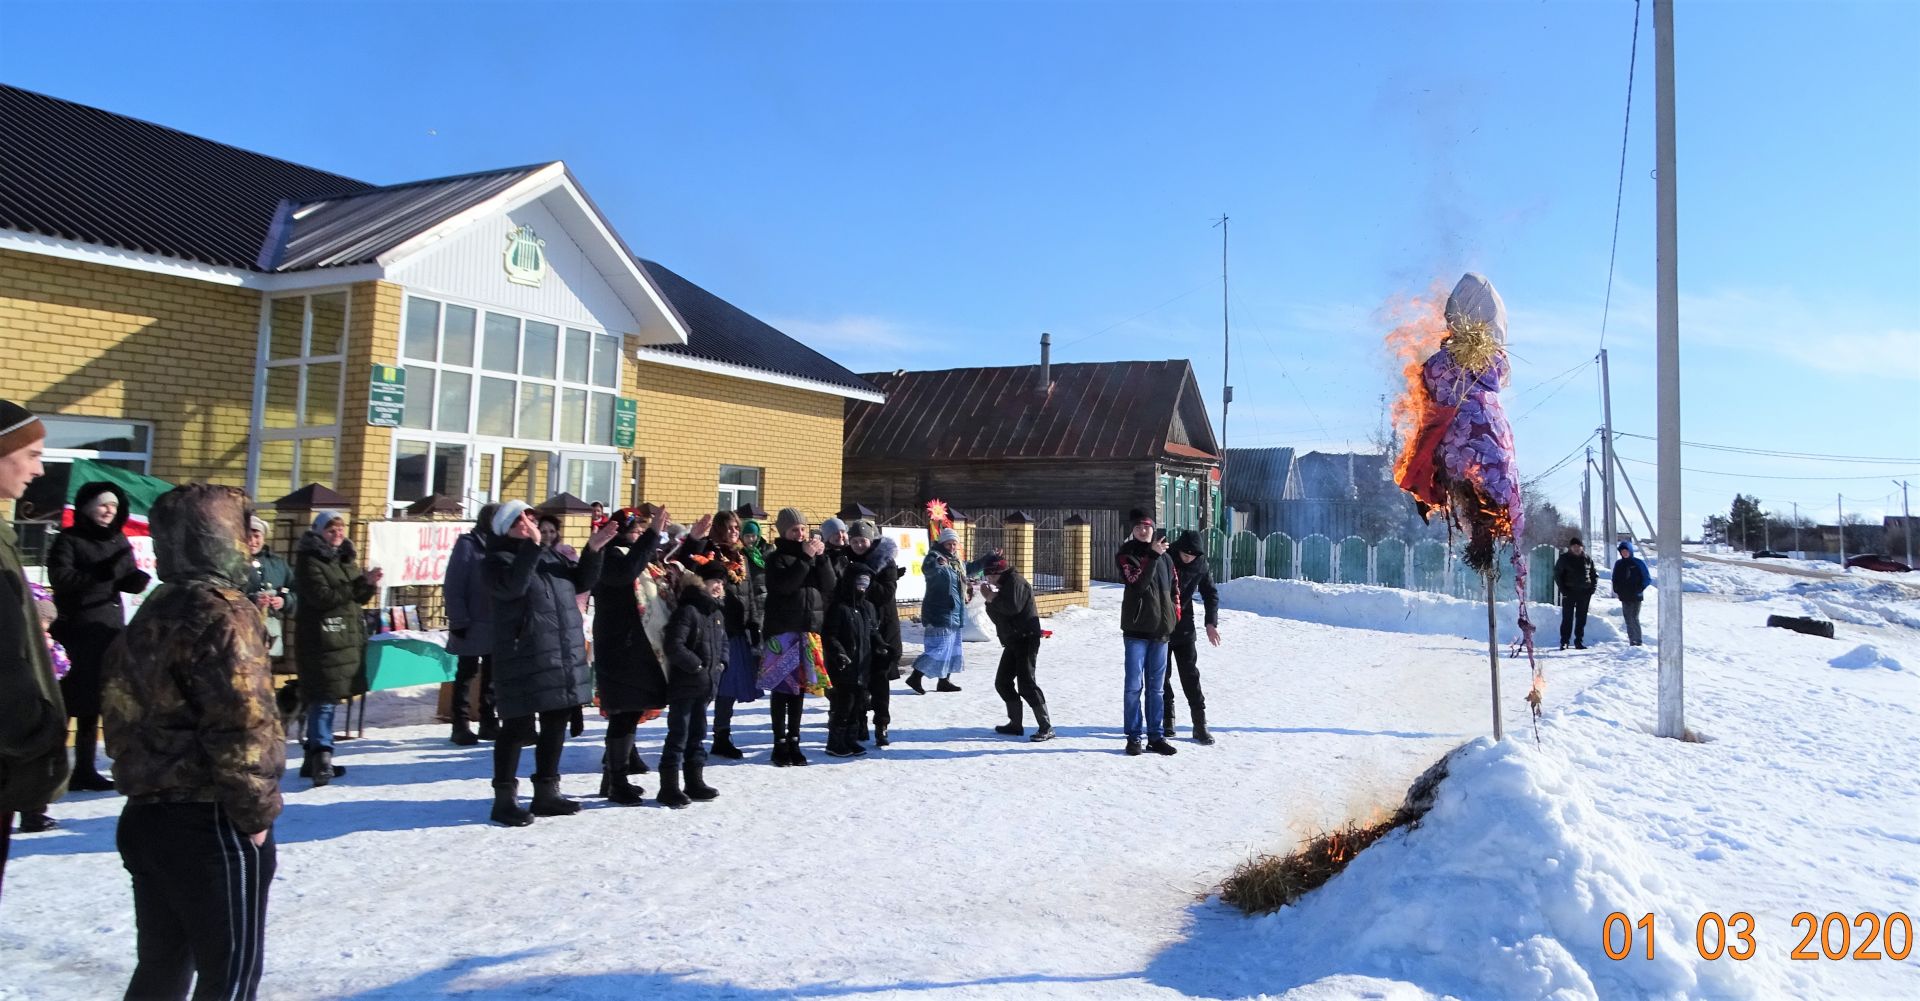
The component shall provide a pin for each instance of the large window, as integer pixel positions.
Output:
(480, 372)
(475, 374)
(299, 394)
(738, 485)
(126, 444)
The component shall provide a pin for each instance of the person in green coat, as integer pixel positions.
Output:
(329, 634)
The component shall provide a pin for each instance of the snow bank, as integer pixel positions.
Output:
(1861, 602)
(1502, 891)
(1865, 657)
(1393, 610)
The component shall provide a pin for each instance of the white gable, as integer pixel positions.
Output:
(468, 262)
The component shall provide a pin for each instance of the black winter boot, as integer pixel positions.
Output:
(723, 744)
(1200, 734)
(779, 758)
(613, 781)
(635, 766)
(696, 786)
(89, 780)
(1042, 722)
(306, 764)
(1011, 729)
(1159, 745)
(914, 680)
(1167, 721)
(840, 743)
(489, 727)
(36, 822)
(860, 731)
(547, 801)
(506, 806)
(463, 734)
(794, 757)
(880, 736)
(321, 771)
(670, 794)
(1133, 747)
(946, 685)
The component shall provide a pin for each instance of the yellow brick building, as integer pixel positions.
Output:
(201, 312)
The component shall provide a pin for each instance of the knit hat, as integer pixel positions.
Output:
(504, 518)
(257, 525)
(863, 529)
(861, 578)
(996, 564)
(833, 530)
(325, 518)
(1575, 541)
(788, 518)
(948, 535)
(1136, 516)
(18, 427)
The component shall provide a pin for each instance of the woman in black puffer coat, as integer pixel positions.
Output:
(626, 670)
(90, 566)
(539, 655)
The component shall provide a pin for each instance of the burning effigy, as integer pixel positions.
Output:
(1458, 460)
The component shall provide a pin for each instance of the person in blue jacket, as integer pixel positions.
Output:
(943, 615)
(1630, 580)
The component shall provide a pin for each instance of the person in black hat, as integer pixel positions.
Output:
(90, 564)
(1010, 607)
(853, 642)
(1575, 576)
(1149, 610)
(1195, 578)
(33, 716)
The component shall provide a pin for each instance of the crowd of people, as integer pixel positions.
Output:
(687, 623)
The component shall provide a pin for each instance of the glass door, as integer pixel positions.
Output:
(590, 477)
(486, 476)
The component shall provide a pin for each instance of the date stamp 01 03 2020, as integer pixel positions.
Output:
(1830, 937)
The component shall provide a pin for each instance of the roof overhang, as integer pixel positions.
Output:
(177, 267)
(555, 186)
(676, 360)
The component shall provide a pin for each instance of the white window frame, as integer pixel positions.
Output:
(556, 450)
(300, 432)
(734, 489)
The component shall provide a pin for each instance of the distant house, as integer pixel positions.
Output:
(1335, 494)
(1053, 441)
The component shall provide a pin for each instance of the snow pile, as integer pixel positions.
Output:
(1861, 602)
(1865, 657)
(1393, 610)
(1502, 891)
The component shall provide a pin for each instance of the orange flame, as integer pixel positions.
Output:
(1421, 327)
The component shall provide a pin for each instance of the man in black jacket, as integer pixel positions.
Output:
(1195, 576)
(1630, 585)
(1575, 576)
(1148, 612)
(877, 552)
(1010, 607)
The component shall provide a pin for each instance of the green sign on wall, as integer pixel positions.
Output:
(387, 396)
(626, 421)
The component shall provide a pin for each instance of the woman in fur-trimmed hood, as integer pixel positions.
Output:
(90, 565)
(329, 633)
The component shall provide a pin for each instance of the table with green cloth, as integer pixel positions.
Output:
(401, 659)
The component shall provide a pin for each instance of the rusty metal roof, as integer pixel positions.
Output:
(1096, 410)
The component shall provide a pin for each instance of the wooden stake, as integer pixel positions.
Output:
(1493, 660)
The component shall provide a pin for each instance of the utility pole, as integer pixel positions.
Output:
(1673, 719)
(1607, 500)
(1226, 352)
(1906, 521)
(1586, 498)
(1796, 530)
(1840, 507)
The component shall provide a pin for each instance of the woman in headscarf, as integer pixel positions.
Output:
(745, 602)
(943, 615)
(329, 634)
(90, 565)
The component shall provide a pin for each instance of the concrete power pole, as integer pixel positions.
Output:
(1906, 521)
(1673, 719)
(1607, 500)
(1840, 516)
(1586, 498)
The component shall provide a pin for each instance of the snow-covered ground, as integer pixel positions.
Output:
(962, 864)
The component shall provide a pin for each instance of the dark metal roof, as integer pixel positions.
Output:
(1254, 475)
(357, 228)
(79, 173)
(1096, 410)
(1332, 475)
(719, 331)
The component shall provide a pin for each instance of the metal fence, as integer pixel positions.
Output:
(1050, 556)
(1425, 565)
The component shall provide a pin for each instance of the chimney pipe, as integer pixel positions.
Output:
(1046, 362)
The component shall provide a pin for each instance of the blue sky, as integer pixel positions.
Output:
(920, 185)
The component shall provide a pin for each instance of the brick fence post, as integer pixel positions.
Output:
(1079, 555)
(1016, 542)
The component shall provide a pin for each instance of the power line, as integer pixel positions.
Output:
(1569, 458)
(1261, 330)
(1776, 453)
(1620, 187)
(1205, 284)
(1556, 392)
(1759, 476)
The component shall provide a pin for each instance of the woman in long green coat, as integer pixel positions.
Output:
(329, 633)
